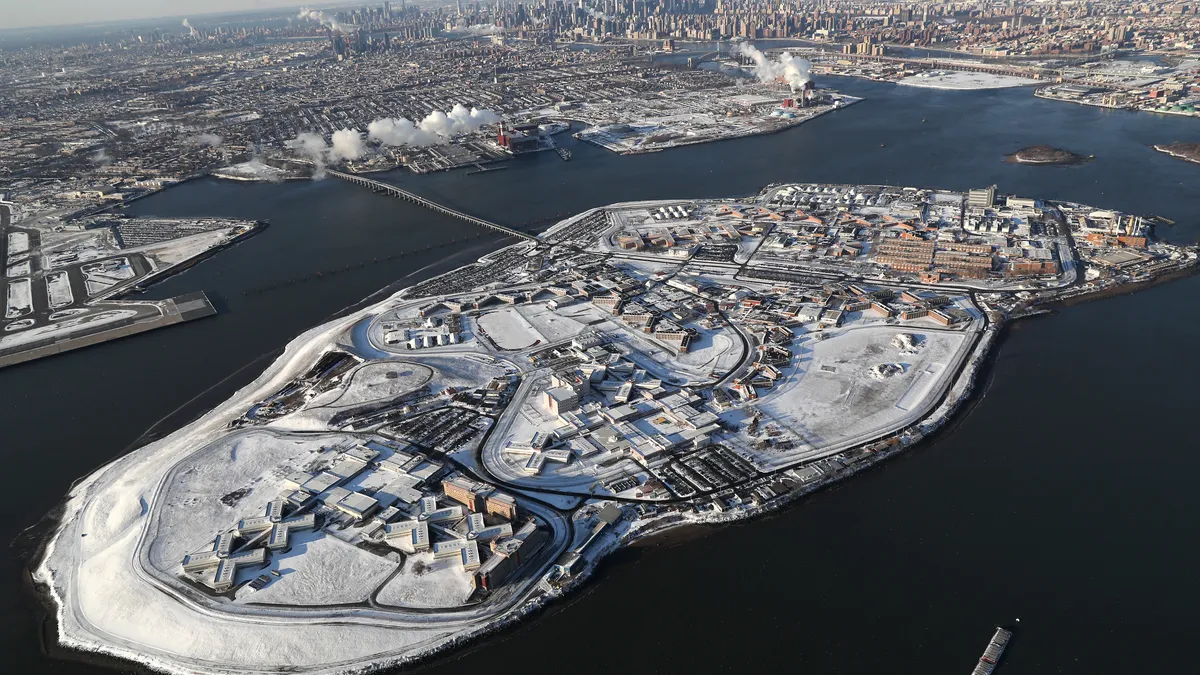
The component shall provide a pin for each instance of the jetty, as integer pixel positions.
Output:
(389, 189)
(993, 652)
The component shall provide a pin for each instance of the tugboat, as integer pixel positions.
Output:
(564, 153)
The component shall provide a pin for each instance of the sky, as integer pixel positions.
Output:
(23, 14)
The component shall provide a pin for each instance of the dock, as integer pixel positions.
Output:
(993, 652)
(479, 168)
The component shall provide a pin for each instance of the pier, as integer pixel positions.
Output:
(993, 652)
(380, 186)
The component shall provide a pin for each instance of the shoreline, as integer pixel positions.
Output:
(1177, 155)
(672, 529)
(668, 529)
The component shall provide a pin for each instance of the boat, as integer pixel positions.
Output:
(564, 153)
(991, 655)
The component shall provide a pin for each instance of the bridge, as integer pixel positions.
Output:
(387, 188)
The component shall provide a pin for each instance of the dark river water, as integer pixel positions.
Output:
(1066, 497)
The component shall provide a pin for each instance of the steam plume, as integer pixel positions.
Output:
(205, 140)
(192, 31)
(437, 127)
(347, 145)
(790, 69)
(319, 17)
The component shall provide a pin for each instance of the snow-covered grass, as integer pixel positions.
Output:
(20, 298)
(426, 582)
(18, 243)
(509, 329)
(189, 509)
(319, 569)
(830, 400)
(552, 326)
(58, 289)
(380, 380)
(20, 269)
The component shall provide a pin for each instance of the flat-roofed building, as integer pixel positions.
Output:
(322, 482)
(508, 554)
(357, 504)
(467, 492)
(559, 400)
(410, 536)
(465, 550)
(502, 504)
(226, 573)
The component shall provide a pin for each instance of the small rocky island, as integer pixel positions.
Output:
(1045, 154)
(1185, 151)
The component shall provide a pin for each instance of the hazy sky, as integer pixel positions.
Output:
(23, 13)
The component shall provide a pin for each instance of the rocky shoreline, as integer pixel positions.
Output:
(1188, 152)
(1048, 156)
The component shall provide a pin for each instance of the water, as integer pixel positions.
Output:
(1064, 498)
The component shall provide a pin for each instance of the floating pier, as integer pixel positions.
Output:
(993, 652)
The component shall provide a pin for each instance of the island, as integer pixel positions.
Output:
(441, 464)
(1186, 151)
(1048, 155)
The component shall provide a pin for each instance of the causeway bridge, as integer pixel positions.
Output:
(387, 188)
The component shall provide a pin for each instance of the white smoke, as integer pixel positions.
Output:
(205, 140)
(319, 17)
(312, 147)
(399, 131)
(192, 31)
(437, 127)
(459, 120)
(597, 14)
(101, 158)
(790, 69)
(482, 29)
(347, 144)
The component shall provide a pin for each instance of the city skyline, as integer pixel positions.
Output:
(81, 12)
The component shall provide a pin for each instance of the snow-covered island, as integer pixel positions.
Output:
(441, 464)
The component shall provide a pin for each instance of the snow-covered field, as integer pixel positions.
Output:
(18, 243)
(187, 515)
(426, 582)
(58, 289)
(20, 298)
(381, 380)
(319, 569)
(552, 326)
(21, 269)
(254, 170)
(509, 329)
(833, 401)
(953, 79)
